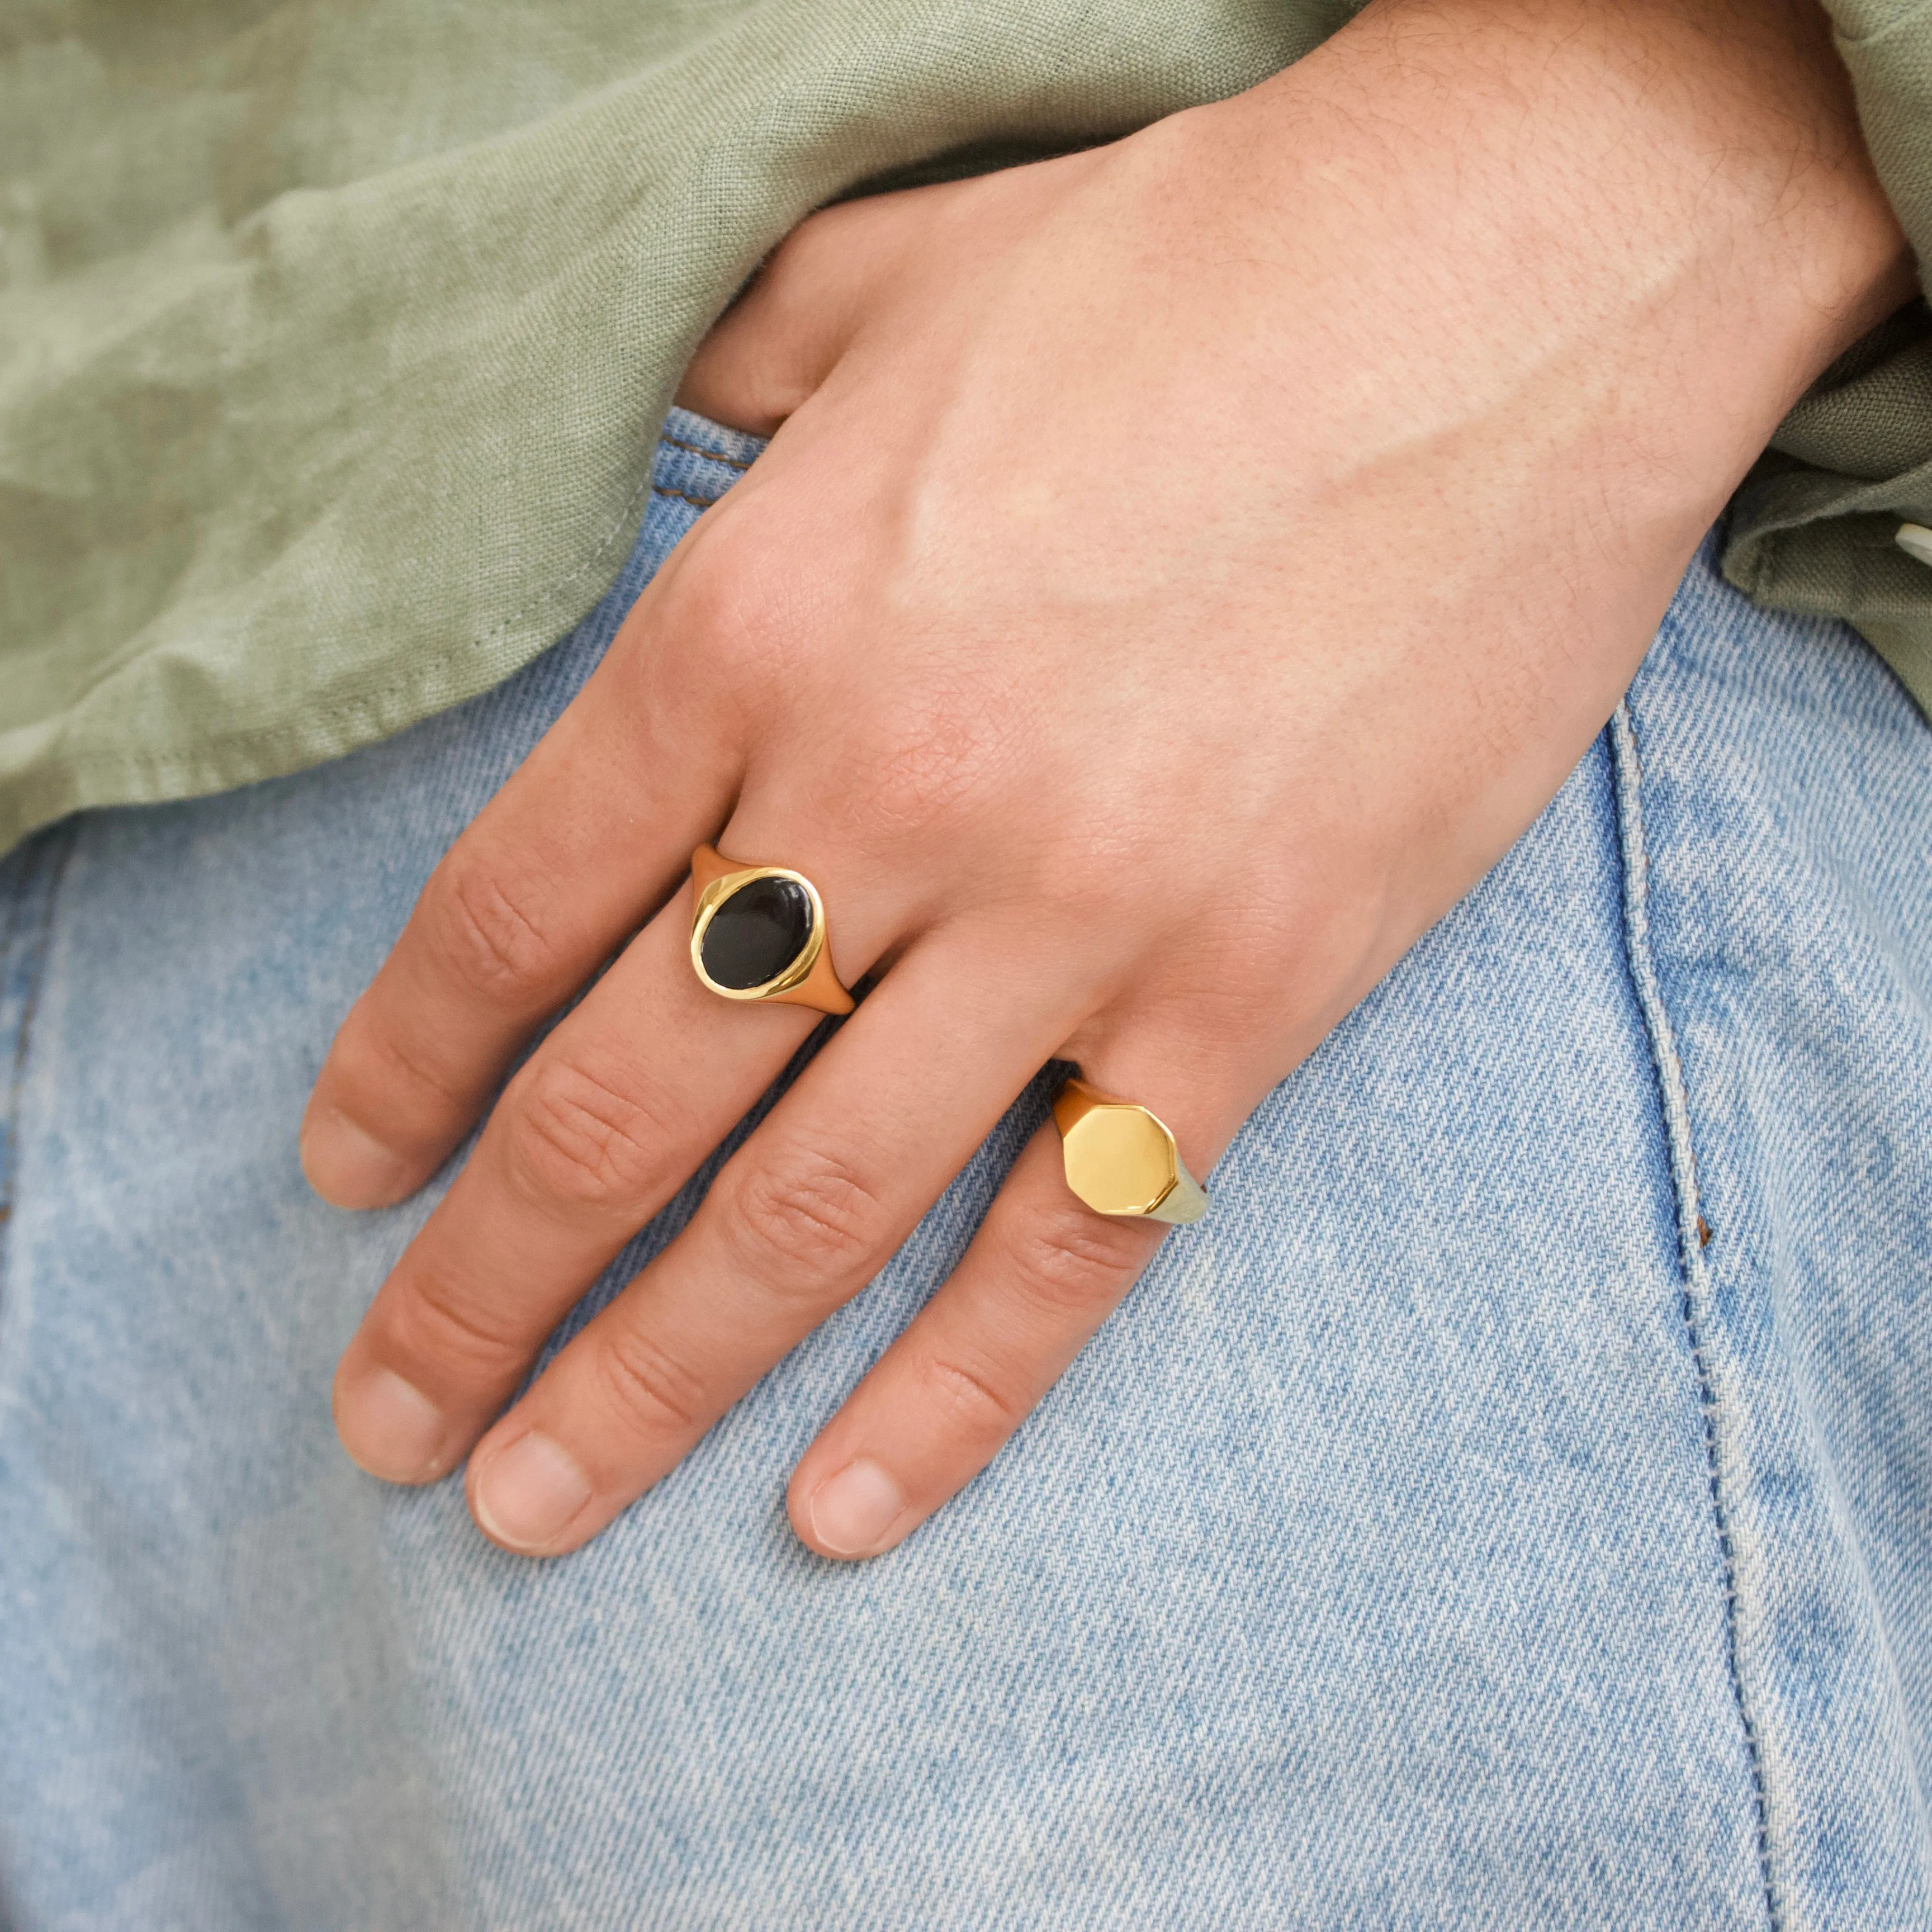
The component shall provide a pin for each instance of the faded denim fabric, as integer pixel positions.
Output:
(1513, 1507)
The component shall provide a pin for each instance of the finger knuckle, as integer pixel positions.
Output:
(970, 1400)
(802, 257)
(799, 1214)
(381, 1073)
(815, 258)
(653, 1391)
(741, 594)
(441, 1320)
(1070, 1262)
(490, 935)
(929, 769)
(579, 1134)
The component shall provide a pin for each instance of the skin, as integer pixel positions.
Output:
(1179, 572)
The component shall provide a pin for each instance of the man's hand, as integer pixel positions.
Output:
(1179, 572)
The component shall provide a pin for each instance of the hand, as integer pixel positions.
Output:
(1181, 570)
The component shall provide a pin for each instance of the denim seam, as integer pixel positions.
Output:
(33, 946)
(1694, 1291)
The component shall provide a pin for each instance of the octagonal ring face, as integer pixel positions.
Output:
(758, 932)
(1121, 1160)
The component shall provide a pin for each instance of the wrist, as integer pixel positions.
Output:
(1670, 189)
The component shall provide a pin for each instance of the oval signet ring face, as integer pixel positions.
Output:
(758, 932)
(1121, 1160)
(756, 935)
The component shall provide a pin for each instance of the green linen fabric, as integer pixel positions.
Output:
(1812, 528)
(334, 334)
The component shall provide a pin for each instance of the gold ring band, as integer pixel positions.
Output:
(758, 932)
(1121, 1160)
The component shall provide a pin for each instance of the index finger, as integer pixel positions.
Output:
(590, 834)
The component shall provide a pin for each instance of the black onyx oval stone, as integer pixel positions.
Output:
(756, 933)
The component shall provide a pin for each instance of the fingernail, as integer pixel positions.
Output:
(526, 1496)
(348, 1166)
(852, 1511)
(390, 1428)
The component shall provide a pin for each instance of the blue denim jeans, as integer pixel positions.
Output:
(1512, 1507)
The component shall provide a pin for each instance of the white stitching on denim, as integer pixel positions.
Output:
(1627, 765)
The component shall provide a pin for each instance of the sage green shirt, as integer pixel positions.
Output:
(334, 335)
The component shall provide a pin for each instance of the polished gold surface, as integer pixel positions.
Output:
(1121, 1160)
(809, 980)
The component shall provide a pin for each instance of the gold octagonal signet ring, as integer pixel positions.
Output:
(1121, 1160)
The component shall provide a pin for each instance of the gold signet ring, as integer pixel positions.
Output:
(758, 933)
(1121, 1160)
